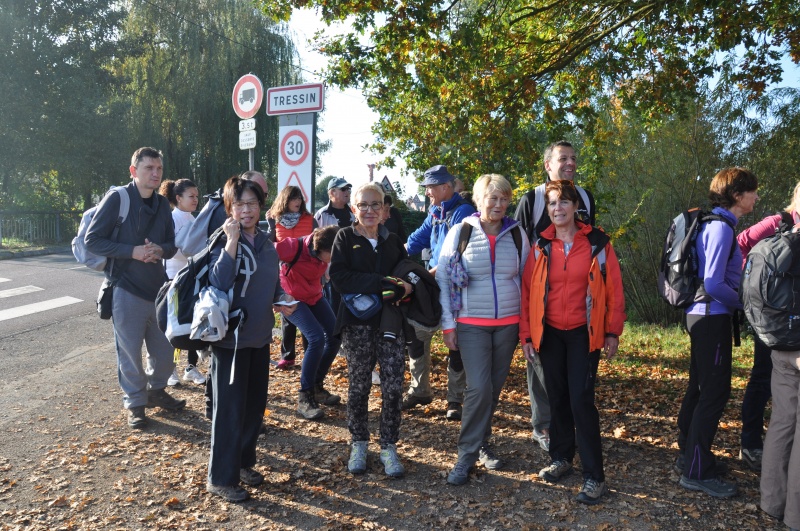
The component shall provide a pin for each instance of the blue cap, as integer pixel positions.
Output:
(338, 182)
(437, 175)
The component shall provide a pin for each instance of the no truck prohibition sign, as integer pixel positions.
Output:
(294, 148)
(248, 94)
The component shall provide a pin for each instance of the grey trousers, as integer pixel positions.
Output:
(540, 404)
(135, 323)
(780, 467)
(486, 352)
(420, 369)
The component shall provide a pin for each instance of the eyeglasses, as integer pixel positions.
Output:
(346, 189)
(363, 207)
(250, 205)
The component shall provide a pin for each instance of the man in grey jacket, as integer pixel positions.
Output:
(136, 269)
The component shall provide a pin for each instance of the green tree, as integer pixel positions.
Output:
(482, 86)
(321, 192)
(189, 55)
(60, 139)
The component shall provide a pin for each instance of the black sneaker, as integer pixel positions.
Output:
(720, 468)
(325, 397)
(556, 470)
(307, 406)
(592, 491)
(752, 457)
(453, 411)
(137, 418)
(460, 473)
(487, 458)
(715, 487)
(231, 493)
(160, 398)
(412, 401)
(251, 477)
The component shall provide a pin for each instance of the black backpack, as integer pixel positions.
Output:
(679, 281)
(188, 283)
(770, 288)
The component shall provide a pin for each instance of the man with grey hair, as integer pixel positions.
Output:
(448, 208)
(560, 163)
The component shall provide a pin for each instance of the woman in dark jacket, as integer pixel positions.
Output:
(304, 262)
(364, 254)
(240, 365)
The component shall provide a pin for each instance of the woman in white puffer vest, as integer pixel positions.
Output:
(480, 281)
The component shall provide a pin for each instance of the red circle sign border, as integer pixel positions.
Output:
(299, 161)
(259, 99)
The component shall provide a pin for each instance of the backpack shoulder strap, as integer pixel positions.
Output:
(716, 217)
(516, 234)
(787, 222)
(463, 238)
(538, 205)
(448, 218)
(124, 203)
(300, 243)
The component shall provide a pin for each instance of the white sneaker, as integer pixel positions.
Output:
(376, 378)
(194, 375)
(173, 378)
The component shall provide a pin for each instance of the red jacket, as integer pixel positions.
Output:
(562, 291)
(304, 227)
(303, 281)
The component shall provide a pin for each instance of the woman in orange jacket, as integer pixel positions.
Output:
(572, 308)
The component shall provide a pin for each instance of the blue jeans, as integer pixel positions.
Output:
(756, 396)
(316, 323)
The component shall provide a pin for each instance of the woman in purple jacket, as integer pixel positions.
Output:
(732, 194)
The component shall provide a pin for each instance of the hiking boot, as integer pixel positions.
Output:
(556, 470)
(193, 374)
(460, 473)
(715, 487)
(231, 493)
(720, 468)
(592, 491)
(174, 379)
(324, 397)
(137, 418)
(307, 406)
(391, 463)
(376, 378)
(285, 365)
(487, 458)
(250, 476)
(453, 411)
(160, 398)
(542, 437)
(752, 457)
(358, 458)
(412, 401)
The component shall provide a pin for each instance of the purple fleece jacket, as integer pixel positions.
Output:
(720, 269)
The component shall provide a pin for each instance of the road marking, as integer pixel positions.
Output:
(5, 279)
(29, 309)
(19, 291)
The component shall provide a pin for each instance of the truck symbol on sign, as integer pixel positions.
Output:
(248, 95)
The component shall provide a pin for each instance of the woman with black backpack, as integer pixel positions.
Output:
(732, 195)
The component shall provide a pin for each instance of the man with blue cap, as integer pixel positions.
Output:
(447, 209)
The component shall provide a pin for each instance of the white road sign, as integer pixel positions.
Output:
(295, 162)
(247, 125)
(295, 99)
(247, 140)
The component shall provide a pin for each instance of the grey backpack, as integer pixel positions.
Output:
(82, 254)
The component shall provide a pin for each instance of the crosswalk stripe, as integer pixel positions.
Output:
(19, 291)
(29, 309)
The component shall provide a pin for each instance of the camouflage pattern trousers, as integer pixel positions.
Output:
(363, 346)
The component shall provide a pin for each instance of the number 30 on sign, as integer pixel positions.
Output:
(294, 148)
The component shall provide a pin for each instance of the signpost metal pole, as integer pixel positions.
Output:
(252, 159)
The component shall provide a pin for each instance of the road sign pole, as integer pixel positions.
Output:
(252, 158)
(314, 164)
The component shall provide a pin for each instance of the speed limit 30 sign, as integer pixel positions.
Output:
(295, 163)
(295, 147)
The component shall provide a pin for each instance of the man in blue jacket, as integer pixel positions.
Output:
(447, 209)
